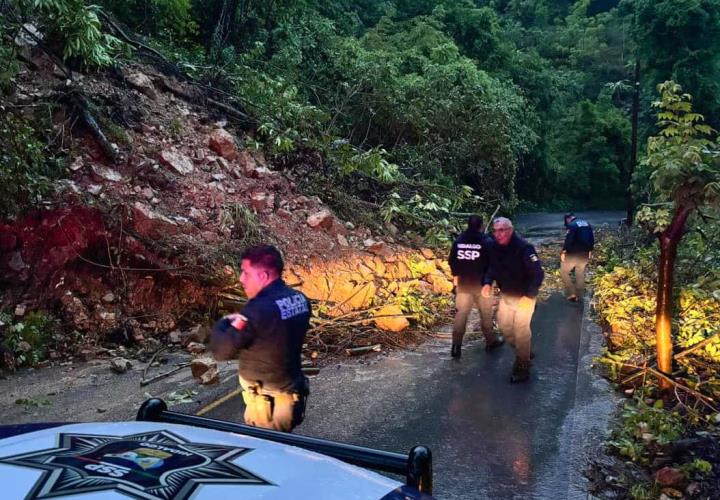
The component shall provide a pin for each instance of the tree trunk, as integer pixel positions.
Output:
(629, 203)
(223, 28)
(669, 240)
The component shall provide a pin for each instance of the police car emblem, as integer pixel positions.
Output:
(151, 465)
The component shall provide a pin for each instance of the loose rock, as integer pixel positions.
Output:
(120, 365)
(195, 348)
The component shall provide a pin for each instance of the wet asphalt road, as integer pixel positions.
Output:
(489, 438)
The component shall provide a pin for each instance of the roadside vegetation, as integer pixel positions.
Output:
(658, 292)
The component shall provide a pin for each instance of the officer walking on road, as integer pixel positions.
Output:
(515, 267)
(267, 337)
(468, 263)
(576, 251)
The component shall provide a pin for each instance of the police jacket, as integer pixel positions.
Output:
(516, 268)
(579, 238)
(468, 258)
(270, 343)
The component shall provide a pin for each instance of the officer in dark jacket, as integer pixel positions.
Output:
(468, 263)
(267, 337)
(576, 252)
(515, 267)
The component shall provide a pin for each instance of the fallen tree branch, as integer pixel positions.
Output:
(80, 104)
(145, 382)
(152, 360)
(357, 351)
(697, 346)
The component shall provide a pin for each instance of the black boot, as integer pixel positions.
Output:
(521, 371)
(489, 346)
(455, 351)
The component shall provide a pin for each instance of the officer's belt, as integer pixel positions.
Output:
(256, 389)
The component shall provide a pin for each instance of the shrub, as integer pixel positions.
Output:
(26, 166)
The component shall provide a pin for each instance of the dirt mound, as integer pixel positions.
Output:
(140, 243)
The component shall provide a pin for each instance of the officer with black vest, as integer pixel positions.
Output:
(576, 252)
(267, 337)
(515, 267)
(468, 263)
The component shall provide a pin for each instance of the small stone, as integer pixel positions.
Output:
(142, 83)
(107, 316)
(427, 253)
(219, 177)
(20, 310)
(175, 337)
(342, 240)
(693, 488)
(155, 201)
(94, 189)
(321, 219)
(199, 366)
(120, 365)
(223, 143)
(195, 348)
(210, 377)
(106, 173)
(16, 262)
(108, 298)
(285, 214)
(77, 164)
(176, 160)
(374, 246)
(669, 477)
(350, 226)
(147, 193)
(86, 354)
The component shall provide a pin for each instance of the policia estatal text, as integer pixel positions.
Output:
(267, 337)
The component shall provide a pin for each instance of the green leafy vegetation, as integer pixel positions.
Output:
(72, 25)
(29, 338)
(27, 166)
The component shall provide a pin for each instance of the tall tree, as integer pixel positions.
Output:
(685, 167)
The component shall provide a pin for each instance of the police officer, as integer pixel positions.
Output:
(515, 267)
(468, 263)
(267, 337)
(576, 251)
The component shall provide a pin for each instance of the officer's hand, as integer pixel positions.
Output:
(455, 281)
(222, 341)
(562, 256)
(486, 291)
(589, 255)
(236, 320)
(525, 304)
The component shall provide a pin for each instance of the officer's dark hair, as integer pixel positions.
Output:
(569, 215)
(266, 256)
(475, 223)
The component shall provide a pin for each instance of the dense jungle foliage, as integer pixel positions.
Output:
(521, 101)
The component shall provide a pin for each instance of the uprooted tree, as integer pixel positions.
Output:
(685, 165)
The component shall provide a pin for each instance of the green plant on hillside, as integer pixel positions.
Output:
(28, 339)
(9, 66)
(75, 27)
(27, 168)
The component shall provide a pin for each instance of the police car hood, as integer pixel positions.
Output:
(162, 461)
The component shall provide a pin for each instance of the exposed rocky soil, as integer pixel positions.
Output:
(144, 244)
